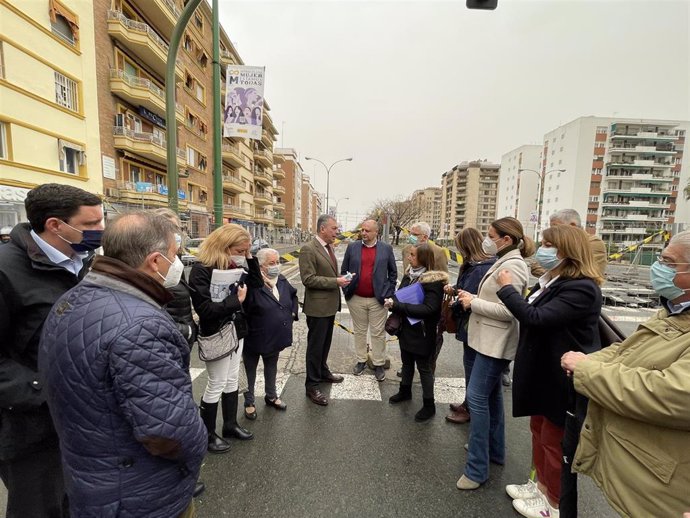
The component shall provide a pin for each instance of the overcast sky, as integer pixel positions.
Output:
(409, 89)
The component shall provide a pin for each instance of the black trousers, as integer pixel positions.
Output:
(251, 361)
(424, 367)
(567, 506)
(319, 338)
(35, 486)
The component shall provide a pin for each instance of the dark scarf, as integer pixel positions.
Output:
(125, 273)
(505, 250)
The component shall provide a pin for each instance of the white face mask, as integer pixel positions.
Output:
(174, 273)
(489, 246)
(239, 260)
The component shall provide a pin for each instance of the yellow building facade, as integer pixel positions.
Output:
(49, 129)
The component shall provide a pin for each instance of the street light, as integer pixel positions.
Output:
(540, 193)
(328, 173)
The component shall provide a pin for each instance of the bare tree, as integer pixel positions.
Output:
(401, 212)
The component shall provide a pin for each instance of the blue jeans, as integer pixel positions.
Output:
(485, 402)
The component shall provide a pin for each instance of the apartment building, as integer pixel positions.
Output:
(622, 175)
(312, 205)
(468, 197)
(518, 186)
(427, 203)
(287, 164)
(49, 129)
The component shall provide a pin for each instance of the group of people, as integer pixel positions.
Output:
(94, 362)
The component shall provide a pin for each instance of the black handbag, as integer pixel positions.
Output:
(393, 324)
(609, 332)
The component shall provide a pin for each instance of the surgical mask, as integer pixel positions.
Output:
(412, 239)
(174, 272)
(239, 260)
(273, 271)
(547, 257)
(91, 240)
(662, 277)
(489, 246)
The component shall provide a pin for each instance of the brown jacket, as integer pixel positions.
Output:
(440, 258)
(635, 442)
(321, 290)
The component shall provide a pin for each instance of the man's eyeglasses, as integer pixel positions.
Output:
(670, 264)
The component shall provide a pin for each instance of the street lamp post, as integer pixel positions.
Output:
(328, 173)
(540, 193)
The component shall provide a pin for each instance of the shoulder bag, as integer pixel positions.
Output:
(218, 345)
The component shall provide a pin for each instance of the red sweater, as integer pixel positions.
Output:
(365, 285)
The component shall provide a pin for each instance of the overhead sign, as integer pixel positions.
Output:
(244, 101)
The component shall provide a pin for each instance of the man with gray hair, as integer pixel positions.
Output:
(115, 370)
(420, 233)
(572, 218)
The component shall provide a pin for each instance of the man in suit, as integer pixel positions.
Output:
(373, 264)
(419, 233)
(318, 269)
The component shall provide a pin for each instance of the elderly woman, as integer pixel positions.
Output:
(225, 248)
(492, 338)
(634, 442)
(270, 310)
(560, 312)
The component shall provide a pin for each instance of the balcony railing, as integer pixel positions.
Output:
(228, 178)
(148, 138)
(141, 82)
(236, 208)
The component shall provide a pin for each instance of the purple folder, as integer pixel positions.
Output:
(412, 294)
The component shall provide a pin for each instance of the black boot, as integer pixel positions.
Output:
(230, 426)
(208, 412)
(427, 411)
(404, 394)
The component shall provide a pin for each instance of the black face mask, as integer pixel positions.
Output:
(91, 240)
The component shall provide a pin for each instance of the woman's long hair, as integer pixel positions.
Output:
(214, 252)
(573, 245)
(512, 227)
(469, 244)
(425, 256)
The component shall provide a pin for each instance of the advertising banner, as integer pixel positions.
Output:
(244, 102)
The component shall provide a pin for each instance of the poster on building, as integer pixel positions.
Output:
(244, 101)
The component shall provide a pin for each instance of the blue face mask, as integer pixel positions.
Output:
(413, 240)
(91, 240)
(662, 277)
(547, 257)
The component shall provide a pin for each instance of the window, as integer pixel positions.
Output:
(187, 44)
(196, 159)
(199, 22)
(63, 22)
(66, 92)
(71, 156)
(62, 29)
(4, 152)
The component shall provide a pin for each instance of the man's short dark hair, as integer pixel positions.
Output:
(53, 200)
(131, 237)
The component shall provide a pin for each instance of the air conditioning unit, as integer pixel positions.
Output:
(112, 193)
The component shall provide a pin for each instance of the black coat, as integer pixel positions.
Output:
(29, 286)
(212, 315)
(180, 309)
(269, 319)
(420, 338)
(564, 317)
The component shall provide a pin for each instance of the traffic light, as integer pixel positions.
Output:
(482, 4)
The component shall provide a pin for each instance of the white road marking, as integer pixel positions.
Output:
(364, 387)
(623, 318)
(195, 372)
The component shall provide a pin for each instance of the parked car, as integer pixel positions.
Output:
(257, 245)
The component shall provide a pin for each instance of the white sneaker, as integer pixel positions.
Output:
(538, 507)
(523, 491)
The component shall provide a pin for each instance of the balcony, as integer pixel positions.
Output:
(645, 135)
(266, 138)
(264, 157)
(263, 216)
(232, 154)
(162, 13)
(279, 222)
(142, 40)
(622, 231)
(278, 173)
(263, 177)
(263, 198)
(235, 211)
(147, 145)
(141, 92)
(233, 183)
(279, 205)
(226, 58)
(278, 189)
(635, 205)
(646, 150)
(140, 192)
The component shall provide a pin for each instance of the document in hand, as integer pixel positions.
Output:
(412, 294)
(222, 282)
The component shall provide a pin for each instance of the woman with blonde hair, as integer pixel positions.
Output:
(225, 248)
(560, 313)
(492, 338)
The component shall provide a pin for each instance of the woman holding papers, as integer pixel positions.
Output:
(492, 338)
(218, 282)
(420, 308)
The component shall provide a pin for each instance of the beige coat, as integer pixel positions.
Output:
(321, 290)
(493, 330)
(635, 442)
(440, 258)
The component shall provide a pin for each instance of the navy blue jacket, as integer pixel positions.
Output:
(471, 275)
(564, 317)
(385, 273)
(115, 369)
(270, 320)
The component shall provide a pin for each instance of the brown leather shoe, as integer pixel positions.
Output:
(458, 417)
(317, 397)
(333, 378)
(457, 407)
